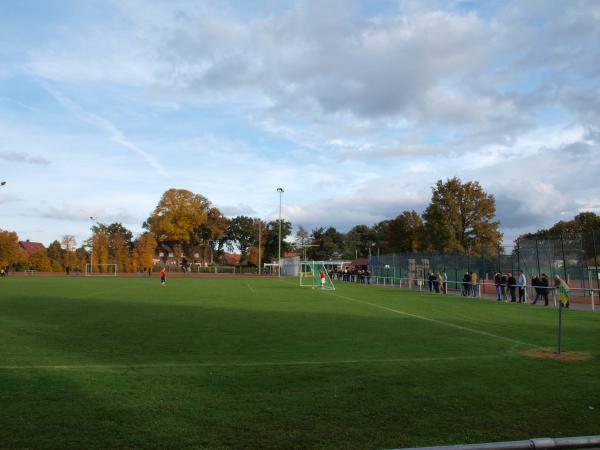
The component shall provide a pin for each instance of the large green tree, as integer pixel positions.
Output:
(329, 244)
(402, 234)
(210, 236)
(56, 255)
(584, 222)
(272, 244)
(460, 217)
(360, 241)
(241, 233)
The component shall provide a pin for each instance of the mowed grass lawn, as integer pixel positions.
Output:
(263, 363)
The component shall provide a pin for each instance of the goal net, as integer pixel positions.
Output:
(101, 270)
(314, 274)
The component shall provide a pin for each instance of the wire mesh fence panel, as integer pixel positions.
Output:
(573, 257)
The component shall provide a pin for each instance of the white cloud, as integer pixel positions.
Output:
(357, 116)
(22, 157)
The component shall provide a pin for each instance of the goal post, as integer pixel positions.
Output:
(313, 274)
(100, 270)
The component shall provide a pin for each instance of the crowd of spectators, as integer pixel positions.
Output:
(509, 287)
(353, 274)
(438, 282)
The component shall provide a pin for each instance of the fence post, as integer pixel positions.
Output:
(537, 255)
(455, 266)
(595, 258)
(562, 246)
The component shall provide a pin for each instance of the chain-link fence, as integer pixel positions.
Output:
(575, 258)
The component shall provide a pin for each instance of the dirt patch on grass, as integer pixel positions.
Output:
(550, 353)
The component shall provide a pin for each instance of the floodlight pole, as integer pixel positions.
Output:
(280, 190)
(259, 242)
(94, 220)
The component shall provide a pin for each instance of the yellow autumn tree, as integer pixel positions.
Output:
(9, 248)
(99, 254)
(145, 248)
(177, 217)
(39, 261)
(120, 253)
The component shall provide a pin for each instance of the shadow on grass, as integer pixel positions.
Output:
(371, 405)
(95, 331)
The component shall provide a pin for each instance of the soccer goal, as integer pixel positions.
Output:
(314, 274)
(101, 270)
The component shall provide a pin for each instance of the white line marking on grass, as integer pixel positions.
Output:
(250, 287)
(440, 322)
(245, 364)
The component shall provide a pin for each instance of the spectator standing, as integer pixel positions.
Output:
(544, 288)
(474, 285)
(497, 282)
(444, 282)
(522, 283)
(563, 290)
(535, 282)
(503, 285)
(430, 279)
(466, 285)
(512, 287)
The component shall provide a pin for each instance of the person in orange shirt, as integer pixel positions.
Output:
(163, 276)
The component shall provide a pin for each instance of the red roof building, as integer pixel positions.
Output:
(230, 259)
(359, 262)
(31, 247)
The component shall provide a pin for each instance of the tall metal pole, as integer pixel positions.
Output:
(537, 255)
(560, 304)
(259, 243)
(562, 247)
(93, 219)
(595, 259)
(280, 190)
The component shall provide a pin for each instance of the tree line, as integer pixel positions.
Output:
(585, 222)
(187, 227)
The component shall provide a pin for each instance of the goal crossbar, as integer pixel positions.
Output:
(101, 270)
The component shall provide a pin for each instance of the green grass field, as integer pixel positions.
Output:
(262, 363)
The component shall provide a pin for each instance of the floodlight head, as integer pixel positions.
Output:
(280, 190)
(2, 183)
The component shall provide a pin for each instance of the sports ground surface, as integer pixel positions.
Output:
(262, 363)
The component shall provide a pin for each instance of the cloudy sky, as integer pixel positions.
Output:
(354, 108)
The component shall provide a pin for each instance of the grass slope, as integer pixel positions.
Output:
(262, 363)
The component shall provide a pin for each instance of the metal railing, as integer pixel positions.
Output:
(577, 442)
